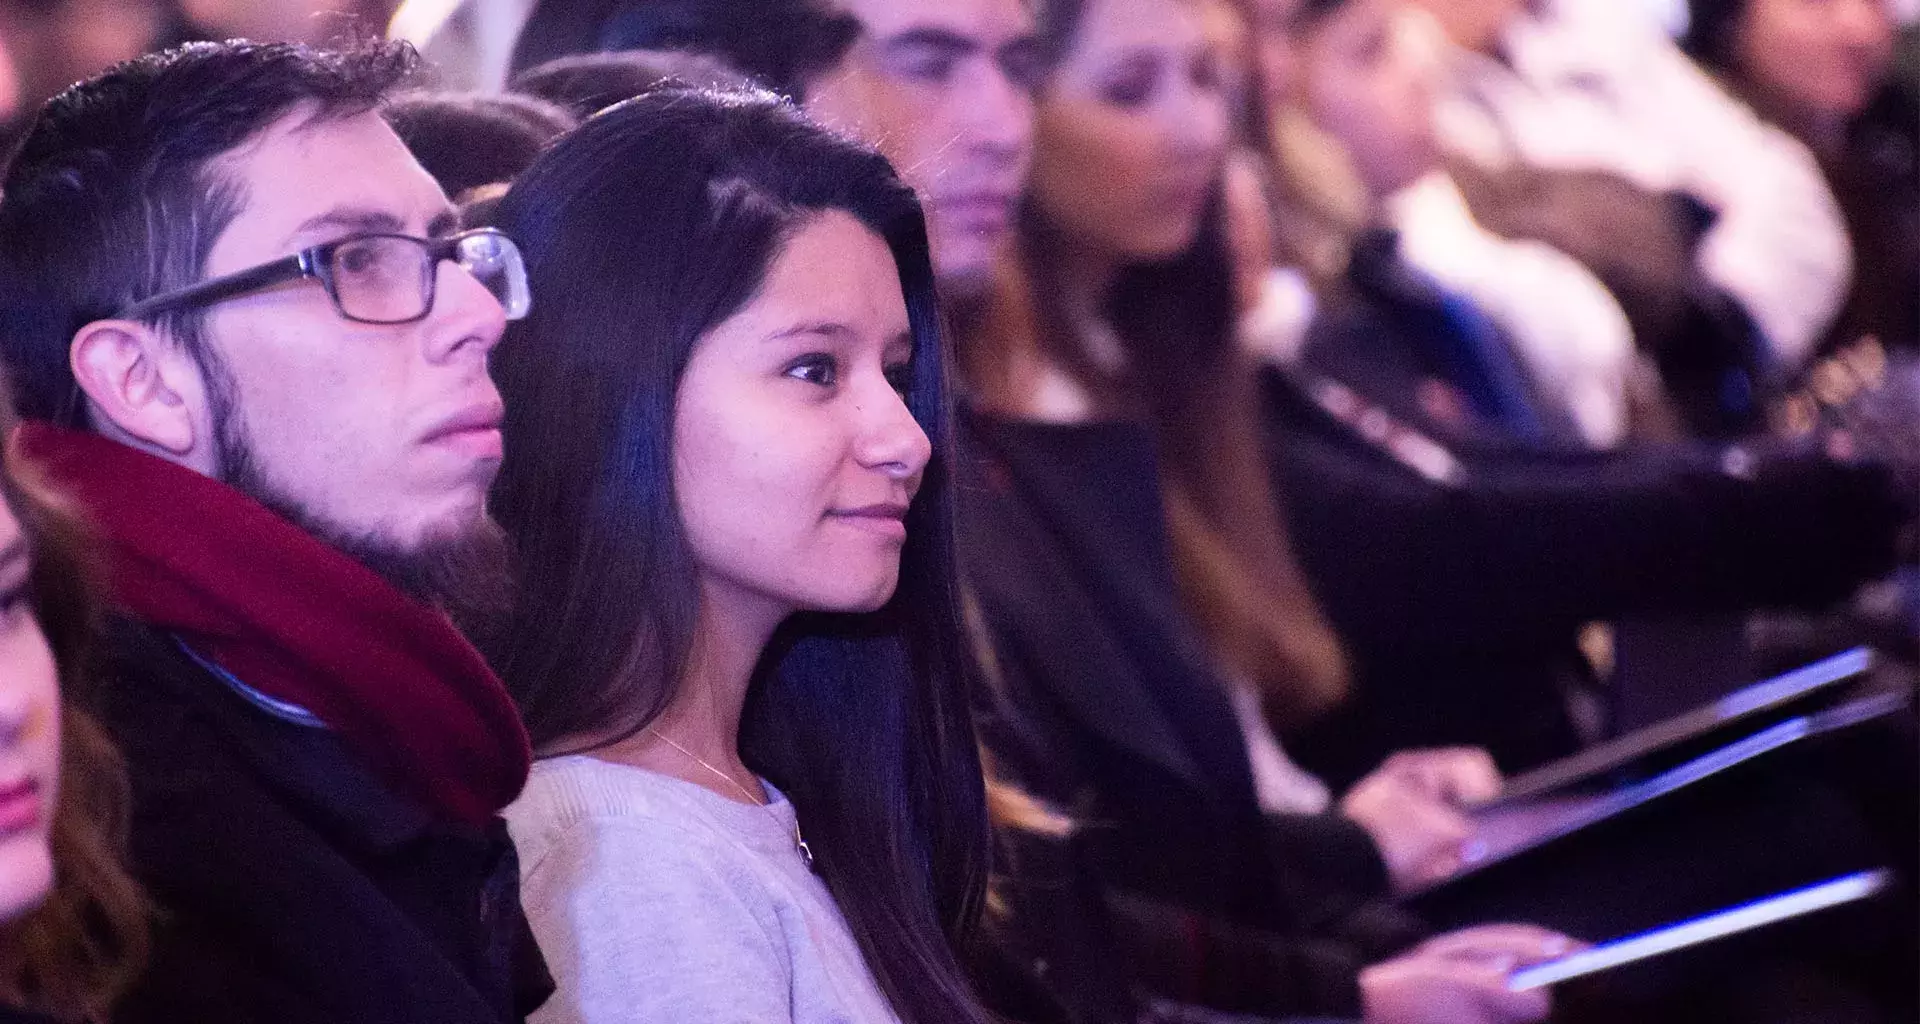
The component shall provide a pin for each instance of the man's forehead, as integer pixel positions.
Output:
(987, 22)
(298, 172)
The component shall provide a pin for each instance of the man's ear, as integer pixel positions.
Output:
(144, 387)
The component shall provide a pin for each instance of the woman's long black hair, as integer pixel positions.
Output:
(645, 228)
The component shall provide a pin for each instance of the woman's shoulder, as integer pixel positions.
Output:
(583, 801)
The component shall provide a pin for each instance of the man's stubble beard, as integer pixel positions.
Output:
(467, 573)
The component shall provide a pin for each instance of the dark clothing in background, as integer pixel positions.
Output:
(1396, 335)
(1117, 716)
(1715, 367)
(1460, 604)
(291, 885)
(1877, 181)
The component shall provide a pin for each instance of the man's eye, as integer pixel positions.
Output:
(816, 368)
(361, 260)
(931, 66)
(1131, 87)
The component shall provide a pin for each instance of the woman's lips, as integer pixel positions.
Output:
(886, 520)
(19, 806)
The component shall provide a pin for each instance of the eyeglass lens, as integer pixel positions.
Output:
(389, 279)
(495, 262)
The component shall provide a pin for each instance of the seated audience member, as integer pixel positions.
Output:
(1599, 136)
(1370, 83)
(1355, 85)
(73, 923)
(736, 644)
(586, 83)
(257, 359)
(896, 73)
(469, 142)
(1820, 69)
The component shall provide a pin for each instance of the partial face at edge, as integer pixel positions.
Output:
(387, 435)
(1133, 126)
(1369, 80)
(29, 734)
(944, 88)
(1818, 59)
(795, 455)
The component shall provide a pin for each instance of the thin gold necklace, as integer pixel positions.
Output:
(799, 842)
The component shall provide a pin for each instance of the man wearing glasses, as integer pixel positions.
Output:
(250, 344)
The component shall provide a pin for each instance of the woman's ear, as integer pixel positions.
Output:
(144, 389)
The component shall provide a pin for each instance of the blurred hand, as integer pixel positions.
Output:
(1411, 806)
(1461, 978)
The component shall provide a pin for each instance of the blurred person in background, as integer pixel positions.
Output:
(1362, 76)
(941, 90)
(1822, 70)
(47, 45)
(474, 145)
(1589, 129)
(1373, 83)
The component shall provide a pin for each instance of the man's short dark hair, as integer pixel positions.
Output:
(112, 196)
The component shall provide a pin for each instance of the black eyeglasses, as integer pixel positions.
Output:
(372, 279)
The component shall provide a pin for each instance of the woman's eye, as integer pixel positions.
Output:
(818, 368)
(900, 376)
(14, 605)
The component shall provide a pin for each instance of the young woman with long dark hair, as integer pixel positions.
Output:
(736, 643)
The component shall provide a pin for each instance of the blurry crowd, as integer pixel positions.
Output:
(943, 510)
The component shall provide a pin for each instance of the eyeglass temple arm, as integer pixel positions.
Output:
(293, 267)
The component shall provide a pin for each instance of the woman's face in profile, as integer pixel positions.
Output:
(795, 456)
(29, 732)
(1368, 78)
(1132, 129)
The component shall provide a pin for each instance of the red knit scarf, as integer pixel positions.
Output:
(298, 621)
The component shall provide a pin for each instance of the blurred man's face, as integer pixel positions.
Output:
(944, 88)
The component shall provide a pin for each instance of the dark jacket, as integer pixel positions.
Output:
(1110, 709)
(291, 886)
(1460, 603)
